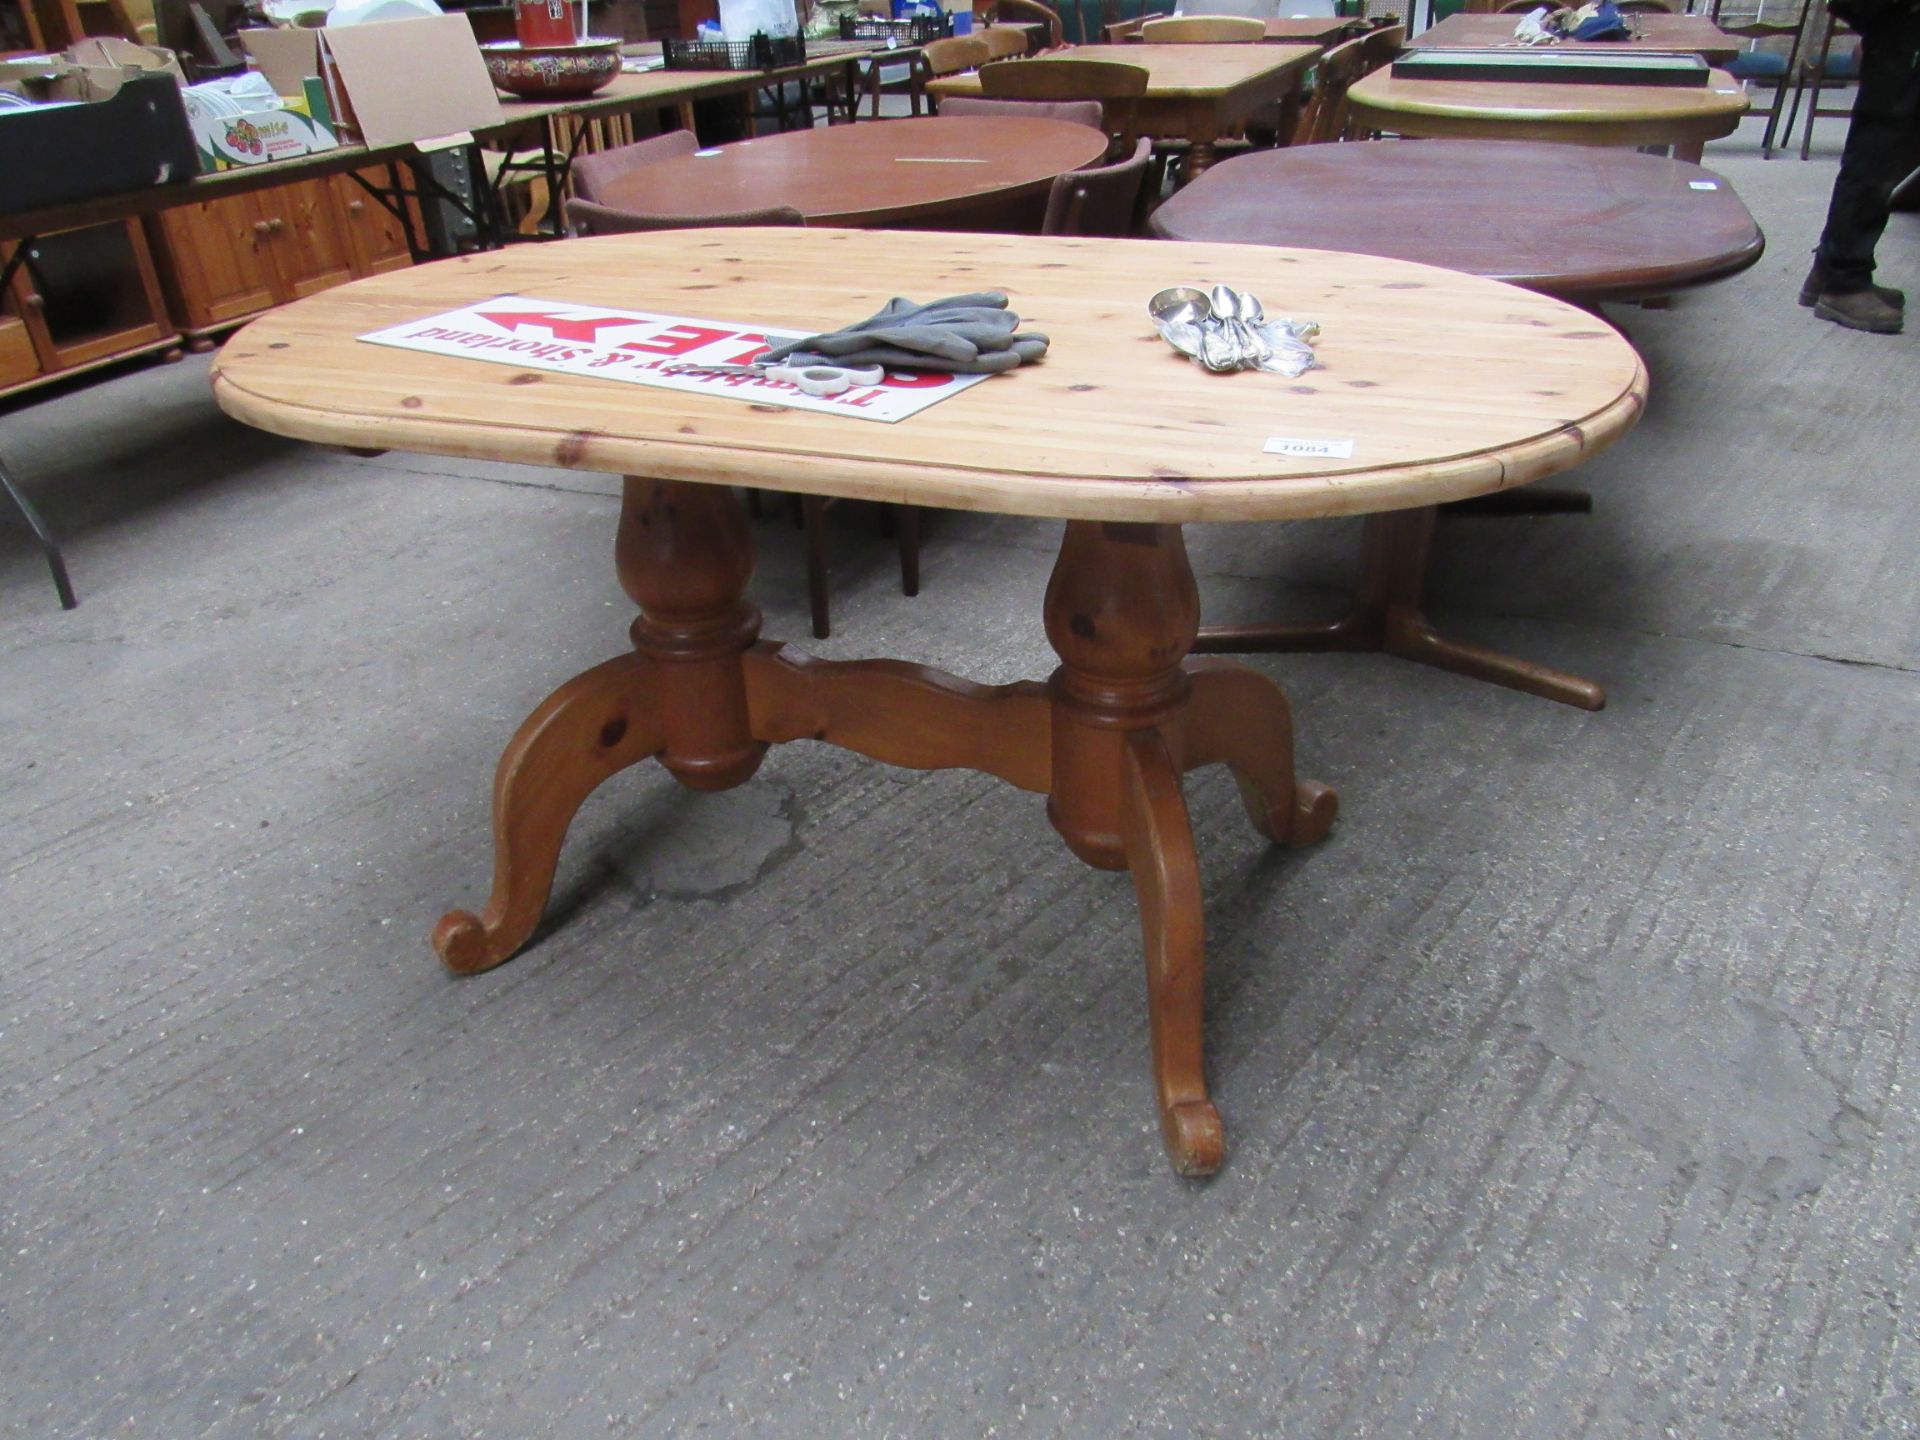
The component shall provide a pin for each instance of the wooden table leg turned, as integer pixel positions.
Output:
(1386, 616)
(1106, 739)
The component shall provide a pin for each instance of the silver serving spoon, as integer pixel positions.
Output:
(1181, 304)
(1184, 316)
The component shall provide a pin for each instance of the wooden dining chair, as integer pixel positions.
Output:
(1115, 86)
(1033, 12)
(1822, 68)
(952, 56)
(1324, 116)
(592, 173)
(1204, 30)
(1004, 42)
(1109, 200)
(1772, 58)
(1077, 112)
(1381, 46)
(1262, 10)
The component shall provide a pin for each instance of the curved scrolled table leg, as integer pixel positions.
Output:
(591, 728)
(1241, 719)
(1166, 878)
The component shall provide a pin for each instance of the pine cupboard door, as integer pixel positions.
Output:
(376, 239)
(218, 263)
(307, 235)
(19, 361)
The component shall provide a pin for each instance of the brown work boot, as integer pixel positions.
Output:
(1816, 282)
(1860, 310)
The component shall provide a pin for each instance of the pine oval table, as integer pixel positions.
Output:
(1685, 117)
(1113, 433)
(917, 171)
(1584, 224)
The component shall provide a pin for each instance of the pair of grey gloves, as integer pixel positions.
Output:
(963, 334)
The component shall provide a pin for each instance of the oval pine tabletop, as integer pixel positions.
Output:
(1441, 385)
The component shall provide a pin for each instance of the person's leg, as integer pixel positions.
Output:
(1878, 152)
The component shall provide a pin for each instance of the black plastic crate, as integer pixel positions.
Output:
(913, 30)
(761, 52)
(136, 137)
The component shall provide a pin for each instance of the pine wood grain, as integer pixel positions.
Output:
(1174, 71)
(1450, 386)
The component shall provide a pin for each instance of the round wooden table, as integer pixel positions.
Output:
(918, 171)
(1583, 224)
(1113, 432)
(1685, 117)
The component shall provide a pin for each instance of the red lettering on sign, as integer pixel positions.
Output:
(679, 339)
(563, 327)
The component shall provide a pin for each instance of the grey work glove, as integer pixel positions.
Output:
(961, 335)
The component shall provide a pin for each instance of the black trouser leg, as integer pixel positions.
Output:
(1882, 142)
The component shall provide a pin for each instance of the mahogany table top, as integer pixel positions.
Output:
(1447, 385)
(1581, 223)
(865, 174)
(1664, 34)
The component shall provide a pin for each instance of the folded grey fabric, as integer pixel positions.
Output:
(962, 335)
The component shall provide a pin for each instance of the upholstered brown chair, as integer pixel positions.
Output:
(1080, 112)
(1116, 86)
(591, 173)
(1108, 200)
(586, 218)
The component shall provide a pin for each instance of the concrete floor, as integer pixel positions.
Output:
(1567, 1084)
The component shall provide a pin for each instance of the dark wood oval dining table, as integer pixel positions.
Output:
(1580, 223)
(970, 172)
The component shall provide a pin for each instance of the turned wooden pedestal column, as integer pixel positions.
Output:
(1106, 739)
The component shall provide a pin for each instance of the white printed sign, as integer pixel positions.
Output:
(1309, 449)
(636, 346)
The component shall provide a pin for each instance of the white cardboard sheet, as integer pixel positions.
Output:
(632, 346)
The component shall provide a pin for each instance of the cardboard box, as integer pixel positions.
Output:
(399, 80)
(262, 134)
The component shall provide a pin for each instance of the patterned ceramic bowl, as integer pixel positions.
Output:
(552, 72)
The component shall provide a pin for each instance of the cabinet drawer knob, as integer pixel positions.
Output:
(276, 224)
(261, 227)
(355, 207)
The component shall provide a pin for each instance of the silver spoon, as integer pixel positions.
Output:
(1226, 304)
(1252, 316)
(1219, 351)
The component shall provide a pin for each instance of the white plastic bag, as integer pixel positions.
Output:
(743, 19)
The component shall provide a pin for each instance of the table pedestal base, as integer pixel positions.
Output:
(1106, 739)
(1386, 616)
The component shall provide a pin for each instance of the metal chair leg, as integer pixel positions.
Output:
(44, 538)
